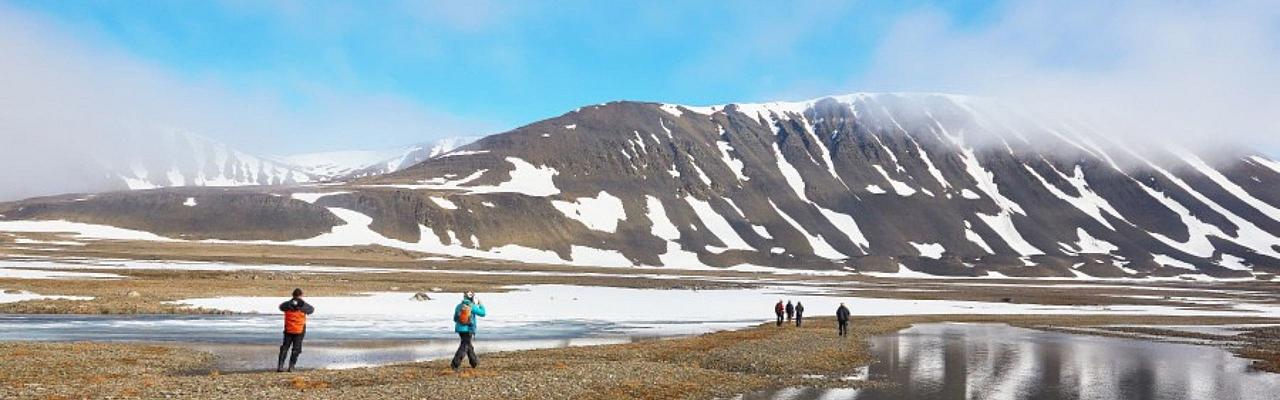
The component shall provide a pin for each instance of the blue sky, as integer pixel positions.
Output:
(510, 62)
(455, 68)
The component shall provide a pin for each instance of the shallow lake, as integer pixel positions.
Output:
(250, 342)
(992, 361)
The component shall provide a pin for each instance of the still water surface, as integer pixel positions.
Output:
(992, 361)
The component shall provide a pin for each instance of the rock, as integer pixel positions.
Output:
(133, 293)
(12, 291)
(420, 297)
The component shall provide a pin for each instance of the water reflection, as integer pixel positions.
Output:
(984, 361)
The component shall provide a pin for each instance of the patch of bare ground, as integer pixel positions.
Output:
(715, 365)
(91, 370)
(1263, 346)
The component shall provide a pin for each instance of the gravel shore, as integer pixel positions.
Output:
(710, 366)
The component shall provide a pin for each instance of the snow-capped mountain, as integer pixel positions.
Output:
(186, 159)
(337, 165)
(877, 183)
(136, 161)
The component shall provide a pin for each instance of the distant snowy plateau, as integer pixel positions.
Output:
(886, 184)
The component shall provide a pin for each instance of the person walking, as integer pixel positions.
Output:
(464, 323)
(791, 311)
(799, 313)
(842, 319)
(296, 311)
(778, 310)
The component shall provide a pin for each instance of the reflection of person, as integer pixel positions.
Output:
(778, 309)
(791, 310)
(799, 312)
(295, 328)
(464, 322)
(842, 319)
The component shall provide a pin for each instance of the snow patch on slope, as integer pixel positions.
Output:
(974, 237)
(1235, 190)
(601, 213)
(901, 188)
(735, 165)
(790, 174)
(662, 227)
(930, 250)
(1002, 222)
(443, 203)
(1090, 244)
(820, 246)
(846, 224)
(525, 178)
(718, 225)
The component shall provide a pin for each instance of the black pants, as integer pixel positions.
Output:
(798, 318)
(779, 319)
(844, 328)
(465, 348)
(291, 340)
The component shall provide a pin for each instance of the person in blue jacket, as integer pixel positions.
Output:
(464, 323)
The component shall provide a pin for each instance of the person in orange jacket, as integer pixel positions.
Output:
(295, 328)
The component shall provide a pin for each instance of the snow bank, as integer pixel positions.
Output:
(81, 230)
(23, 295)
(313, 197)
(549, 303)
(34, 270)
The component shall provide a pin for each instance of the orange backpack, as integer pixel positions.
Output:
(295, 322)
(464, 314)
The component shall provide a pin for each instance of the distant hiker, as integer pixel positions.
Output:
(464, 322)
(295, 328)
(778, 309)
(791, 310)
(799, 312)
(842, 319)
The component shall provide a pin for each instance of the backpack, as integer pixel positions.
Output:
(295, 322)
(464, 314)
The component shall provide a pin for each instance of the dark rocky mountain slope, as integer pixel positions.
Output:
(942, 184)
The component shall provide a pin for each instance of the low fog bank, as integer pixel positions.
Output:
(1199, 75)
(67, 104)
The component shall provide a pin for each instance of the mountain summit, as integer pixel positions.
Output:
(338, 165)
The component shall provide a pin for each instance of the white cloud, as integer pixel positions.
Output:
(1189, 72)
(65, 100)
